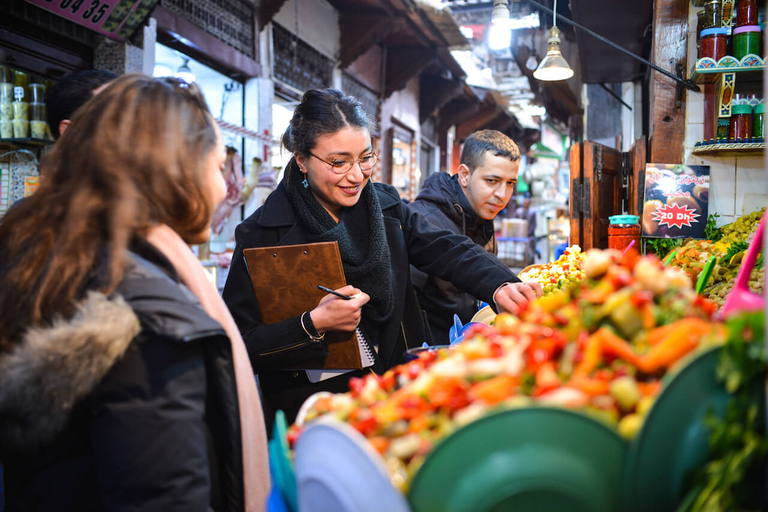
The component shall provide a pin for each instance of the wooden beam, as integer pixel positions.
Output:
(361, 32)
(434, 92)
(182, 35)
(477, 122)
(404, 63)
(456, 112)
(670, 41)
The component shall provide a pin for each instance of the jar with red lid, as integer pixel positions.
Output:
(623, 232)
(741, 122)
(713, 43)
(746, 13)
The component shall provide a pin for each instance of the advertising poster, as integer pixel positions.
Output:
(676, 201)
(117, 19)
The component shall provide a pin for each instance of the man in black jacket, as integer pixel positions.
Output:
(465, 203)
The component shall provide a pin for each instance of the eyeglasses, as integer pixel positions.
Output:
(343, 164)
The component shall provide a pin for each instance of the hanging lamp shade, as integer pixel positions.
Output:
(500, 13)
(553, 67)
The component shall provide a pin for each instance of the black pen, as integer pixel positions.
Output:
(334, 292)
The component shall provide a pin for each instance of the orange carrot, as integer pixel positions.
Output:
(659, 333)
(592, 387)
(380, 443)
(592, 356)
(493, 391)
(617, 346)
(680, 341)
(649, 388)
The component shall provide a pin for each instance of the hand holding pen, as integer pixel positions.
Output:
(340, 295)
(332, 314)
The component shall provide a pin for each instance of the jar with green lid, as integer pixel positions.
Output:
(741, 122)
(746, 40)
(623, 232)
(758, 128)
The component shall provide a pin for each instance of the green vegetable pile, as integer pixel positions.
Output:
(734, 478)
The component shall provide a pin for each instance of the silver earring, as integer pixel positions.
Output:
(305, 183)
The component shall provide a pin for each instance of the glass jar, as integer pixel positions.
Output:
(746, 13)
(758, 128)
(37, 93)
(713, 43)
(746, 40)
(741, 123)
(37, 120)
(623, 230)
(714, 14)
(20, 86)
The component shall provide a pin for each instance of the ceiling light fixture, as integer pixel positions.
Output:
(184, 72)
(532, 63)
(499, 37)
(553, 67)
(500, 13)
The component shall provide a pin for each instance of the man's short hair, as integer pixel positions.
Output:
(483, 141)
(72, 92)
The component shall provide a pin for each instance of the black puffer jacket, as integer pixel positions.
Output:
(274, 348)
(130, 405)
(443, 203)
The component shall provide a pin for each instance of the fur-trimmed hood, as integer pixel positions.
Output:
(56, 366)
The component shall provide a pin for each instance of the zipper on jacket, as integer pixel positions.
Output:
(300, 344)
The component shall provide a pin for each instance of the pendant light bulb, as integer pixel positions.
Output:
(500, 13)
(553, 67)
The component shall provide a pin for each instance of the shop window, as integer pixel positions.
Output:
(224, 95)
(402, 162)
(229, 20)
(297, 64)
(282, 112)
(368, 98)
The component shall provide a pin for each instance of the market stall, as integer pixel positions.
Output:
(610, 393)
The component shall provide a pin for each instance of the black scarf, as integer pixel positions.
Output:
(361, 237)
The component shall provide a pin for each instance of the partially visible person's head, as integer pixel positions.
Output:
(488, 172)
(72, 92)
(154, 155)
(154, 140)
(330, 138)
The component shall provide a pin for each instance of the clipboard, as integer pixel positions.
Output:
(285, 280)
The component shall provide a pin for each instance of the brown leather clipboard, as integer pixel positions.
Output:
(285, 280)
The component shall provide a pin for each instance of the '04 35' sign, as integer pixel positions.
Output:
(117, 19)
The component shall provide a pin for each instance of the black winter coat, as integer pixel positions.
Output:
(411, 240)
(442, 202)
(131, 405)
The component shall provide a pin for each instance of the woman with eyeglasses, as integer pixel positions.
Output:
(124, 382)
(327, 195)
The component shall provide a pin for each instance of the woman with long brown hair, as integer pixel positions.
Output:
(124, 381)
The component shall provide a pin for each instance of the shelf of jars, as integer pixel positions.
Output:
(707, 71)
(26, 142)
(723, 146)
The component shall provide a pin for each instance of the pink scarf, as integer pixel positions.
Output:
(252, 427)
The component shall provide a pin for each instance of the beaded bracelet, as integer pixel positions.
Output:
(317, 337)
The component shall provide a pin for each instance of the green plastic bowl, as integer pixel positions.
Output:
(673, 439)
(533, 459)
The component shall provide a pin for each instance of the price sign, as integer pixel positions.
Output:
(117, 19)
(676, 201)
